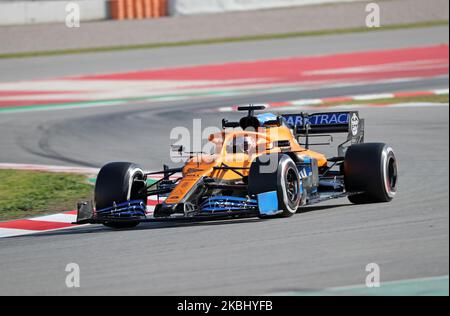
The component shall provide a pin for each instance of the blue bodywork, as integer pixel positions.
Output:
(268, 203)
(227, 204)
(267, 119)
(306, 171)
(128, 209)
(320, 119)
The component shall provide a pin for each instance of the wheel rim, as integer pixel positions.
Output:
(390, 172)
(392, 175)
(292, 186)
(136, 174)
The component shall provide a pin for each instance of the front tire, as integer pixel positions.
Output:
(118, 182)
(371, 172)
(284, 179)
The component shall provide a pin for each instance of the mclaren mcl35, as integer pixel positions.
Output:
(260, 166)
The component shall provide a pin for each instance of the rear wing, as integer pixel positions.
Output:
(306, 125)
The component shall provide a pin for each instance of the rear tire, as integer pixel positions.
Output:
(116, 184)
(285, 180)
(371, 169)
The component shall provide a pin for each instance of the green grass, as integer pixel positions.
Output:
(426, 99)
(222, 40)
(28, 193)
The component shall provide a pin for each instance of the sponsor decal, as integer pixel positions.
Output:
(318, 119)
(355, 124)
(305, 173)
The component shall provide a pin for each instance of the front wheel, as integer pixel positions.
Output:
(277, 173)
(118, 182)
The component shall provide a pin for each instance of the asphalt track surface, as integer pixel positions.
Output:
(320, 247)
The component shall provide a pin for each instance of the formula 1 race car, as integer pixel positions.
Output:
(261, 166)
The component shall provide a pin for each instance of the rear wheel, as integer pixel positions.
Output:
(277, 173)
(117, 183)
(371, 172)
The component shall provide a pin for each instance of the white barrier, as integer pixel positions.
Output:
(27, 12)
(188, 7)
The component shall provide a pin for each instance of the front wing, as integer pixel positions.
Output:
(135, 211)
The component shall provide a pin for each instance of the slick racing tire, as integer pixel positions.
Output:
(370, 171)
(116, 183)
(277, 173)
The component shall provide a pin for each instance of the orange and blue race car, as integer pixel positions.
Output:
(260, 166)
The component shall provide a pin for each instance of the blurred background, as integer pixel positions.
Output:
(43, 25)
(17, 12)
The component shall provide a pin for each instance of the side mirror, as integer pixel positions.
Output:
(227, 124)
(177, 149)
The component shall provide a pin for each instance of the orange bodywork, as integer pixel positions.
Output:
(265, 143)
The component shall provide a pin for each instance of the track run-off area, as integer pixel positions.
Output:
(84, 111)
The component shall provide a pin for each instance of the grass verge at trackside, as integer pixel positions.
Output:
(222, 40)
(31, 193)
(416, 99)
